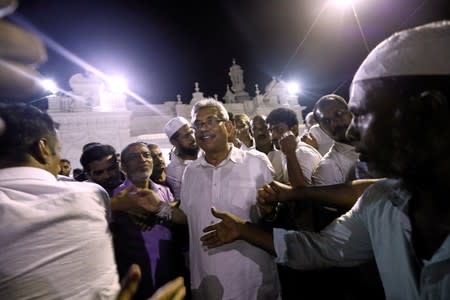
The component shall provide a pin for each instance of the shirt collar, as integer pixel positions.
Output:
(341, 147)
(18, 173)
(235, 155)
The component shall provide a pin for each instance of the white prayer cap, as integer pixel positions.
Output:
(423, 50)
(174, 125)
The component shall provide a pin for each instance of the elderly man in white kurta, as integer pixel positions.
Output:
(227, 178)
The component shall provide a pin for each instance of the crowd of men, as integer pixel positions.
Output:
(234, 212)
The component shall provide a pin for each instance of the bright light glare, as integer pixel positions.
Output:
(49, 85)
(293, 88)
(117, 84)
(343, 3)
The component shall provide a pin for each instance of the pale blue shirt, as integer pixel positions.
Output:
(377, 226)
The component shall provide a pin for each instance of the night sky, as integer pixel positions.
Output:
(163, 47)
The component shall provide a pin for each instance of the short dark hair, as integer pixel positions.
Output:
(25, 125)
(282, 115)
(64, 160)
(88, 145)
(96, 152)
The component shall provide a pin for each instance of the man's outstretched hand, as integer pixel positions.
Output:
(173, 290)
(130, 283)
(223, 232)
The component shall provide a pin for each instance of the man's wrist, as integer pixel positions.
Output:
(165, 211)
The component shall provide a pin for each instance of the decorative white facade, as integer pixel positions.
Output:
(92, 113)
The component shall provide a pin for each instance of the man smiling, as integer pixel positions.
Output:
(228, 178)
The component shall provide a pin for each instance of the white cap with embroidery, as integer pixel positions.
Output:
(423, 50)
(174, 125)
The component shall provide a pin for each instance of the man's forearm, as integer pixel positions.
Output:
(339, 195)
(257, 236)
(295, 173)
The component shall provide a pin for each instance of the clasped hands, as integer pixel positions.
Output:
(141, 205)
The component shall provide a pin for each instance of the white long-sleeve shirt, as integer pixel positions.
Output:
(54, 238)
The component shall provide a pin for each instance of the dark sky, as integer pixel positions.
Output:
(163, 47)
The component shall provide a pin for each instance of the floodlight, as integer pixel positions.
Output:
(117, 84)
(49, 85)
(343, 3)
(293, 88)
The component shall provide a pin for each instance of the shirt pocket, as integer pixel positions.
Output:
(242, 194)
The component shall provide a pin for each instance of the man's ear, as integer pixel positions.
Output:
(174, 142)
(436, 110)
(42, 151)
(229, 126)
(294, 129)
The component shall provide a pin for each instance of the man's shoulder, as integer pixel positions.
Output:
(253, 157)
(304, 148)
(255, 154)
(383, 191)
(83, 187)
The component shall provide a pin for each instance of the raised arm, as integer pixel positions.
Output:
(339, 195)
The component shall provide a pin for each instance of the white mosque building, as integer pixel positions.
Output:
(92, 113)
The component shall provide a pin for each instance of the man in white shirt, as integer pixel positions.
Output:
(243, 131)
(55, 241)
(338, 165)
(181, 136)
(227, 178)
(264, 144)
(315, 136)
(398, 99)
(299, 159)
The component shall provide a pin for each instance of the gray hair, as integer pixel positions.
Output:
(209, 102)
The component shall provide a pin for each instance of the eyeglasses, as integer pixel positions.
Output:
(139, 155)
(211, 122)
